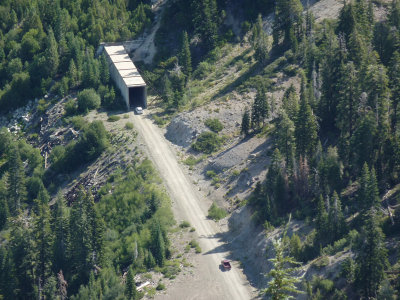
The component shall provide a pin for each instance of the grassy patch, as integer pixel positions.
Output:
(214, 125)
(171, 269)
(215, 178)
(216, 213)
(129, 126)
(160, 286)
(321, 262)
(191, 160)
(113, 118)
(194, 244)
(159, 120)
(184, 224)
(208, 142)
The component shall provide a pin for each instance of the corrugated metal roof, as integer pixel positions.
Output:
(124, 65)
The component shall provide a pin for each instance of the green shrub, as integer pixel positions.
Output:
(208, 142)
(191, 161)
(77, 122)
(42, 106)
(203, 70)
(194, 244)
(325, 285)
(113, 118)
(214, 125)
(129, 125)
(211, 174)
(88, 99)
(70, 107)
(159, 121)
(321, 262)
(235, 173)
(92, 142)
(184, 224)
(216, 213)
(160, 287)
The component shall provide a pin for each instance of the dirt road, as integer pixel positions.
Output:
(209, 281)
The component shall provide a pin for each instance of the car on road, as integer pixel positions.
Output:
(226, 264)
(138, 110)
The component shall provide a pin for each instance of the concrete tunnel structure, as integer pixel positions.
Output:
(126, 76)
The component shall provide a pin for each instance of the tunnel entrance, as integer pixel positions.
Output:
(137, 97)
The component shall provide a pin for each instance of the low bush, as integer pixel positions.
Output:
(194, 244)
(88, 99)
(160, 287)
(321, 262)
(208, 142)
(216, 213)
(77, 122)
(113, 118)
(70, 107)
(203, 70)
(214, 125)
(92, 142)
(211, 174)
(129, 125)
(184, 224)
(323, 284)
(191, 161)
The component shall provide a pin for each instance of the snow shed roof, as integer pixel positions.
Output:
(124, 65)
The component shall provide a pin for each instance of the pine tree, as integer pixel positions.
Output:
(8, 277)
(288, 22)
(104, 70)
(24, 257)
(130, 289)
(61, 231)
(306, 129)
(368, 194)
(372, 199)
(331, 73)
(73, 74)
(336, 219)
(290, 102)
(15, 181)
(394, 75)
(4, 211)
(349, 95)
(43, 236)
(364, 181)
(283, 281)
(167, 95)
(260, 42)
(205, 22)
(364, 140)
(97, 228)
(285, 139)
(185, 58)
(245, 122)
(371, 257)
(377, 87)
(158, 244)
(80, 241)
(51, 54)
(322, 223)
(260, 109)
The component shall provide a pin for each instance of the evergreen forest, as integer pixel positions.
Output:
(334, 164)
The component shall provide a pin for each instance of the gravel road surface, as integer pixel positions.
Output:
(208, 281)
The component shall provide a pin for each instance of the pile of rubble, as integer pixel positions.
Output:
(20, 117)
